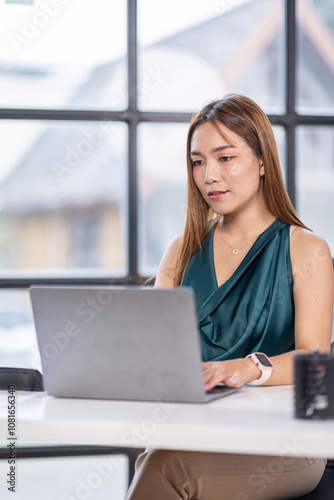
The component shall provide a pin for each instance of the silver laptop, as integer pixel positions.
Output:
(125, 343)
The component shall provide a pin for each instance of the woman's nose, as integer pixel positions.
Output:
(211, 172)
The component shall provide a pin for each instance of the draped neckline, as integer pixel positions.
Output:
(223, 290)
(277, 224)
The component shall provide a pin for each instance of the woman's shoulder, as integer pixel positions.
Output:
(167, 267)
(308, 250)
(173, 248)
(304, 239)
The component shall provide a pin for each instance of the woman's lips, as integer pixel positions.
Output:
(216, 195)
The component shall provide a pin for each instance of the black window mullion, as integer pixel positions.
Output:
(290, 95)
(62, 114)
(132, 145)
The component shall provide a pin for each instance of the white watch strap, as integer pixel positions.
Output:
(264, 377)
(265, 374)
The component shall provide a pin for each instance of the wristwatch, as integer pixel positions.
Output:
(263, 364)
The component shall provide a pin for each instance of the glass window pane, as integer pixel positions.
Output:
(18, 342)
(279, 133)
(62, 192)
(162, 190)
(315, 180)
(66, 478)
(209, 49)
(315, 60)
(60, 54)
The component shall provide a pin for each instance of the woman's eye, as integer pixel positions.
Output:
(226, 158)
(196, 163)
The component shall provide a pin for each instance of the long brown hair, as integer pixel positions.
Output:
(245, 118)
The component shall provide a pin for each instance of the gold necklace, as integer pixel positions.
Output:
(235, 251)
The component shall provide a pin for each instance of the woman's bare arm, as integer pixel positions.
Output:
(313, 290)
(166, 271)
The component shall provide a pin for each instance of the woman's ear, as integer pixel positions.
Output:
(262, 170)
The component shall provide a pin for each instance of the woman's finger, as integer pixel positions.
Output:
(213, 376)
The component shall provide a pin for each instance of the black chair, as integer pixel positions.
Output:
(22, 379)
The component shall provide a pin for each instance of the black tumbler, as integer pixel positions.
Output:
(314, 385)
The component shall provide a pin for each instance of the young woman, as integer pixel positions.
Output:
(263, 283)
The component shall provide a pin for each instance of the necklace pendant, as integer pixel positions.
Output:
(235, 251)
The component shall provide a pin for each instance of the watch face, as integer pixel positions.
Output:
(263, 359)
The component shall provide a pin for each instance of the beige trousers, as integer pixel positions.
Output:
(174, 475)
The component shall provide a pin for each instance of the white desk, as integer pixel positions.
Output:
(254, 420)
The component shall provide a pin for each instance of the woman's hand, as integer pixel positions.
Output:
(233, 373)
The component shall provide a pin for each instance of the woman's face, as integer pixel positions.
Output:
(227, 174)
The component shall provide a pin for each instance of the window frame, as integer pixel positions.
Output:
(133, 116)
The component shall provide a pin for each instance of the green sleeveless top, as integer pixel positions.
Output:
(254, 309)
